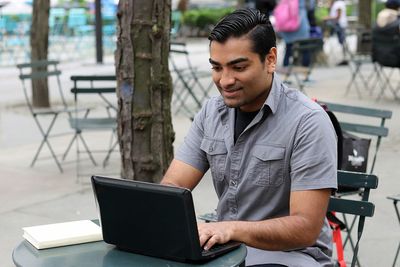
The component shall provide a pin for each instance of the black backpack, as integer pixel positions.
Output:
(339, 134)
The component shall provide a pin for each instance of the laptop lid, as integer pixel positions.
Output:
(149, 219)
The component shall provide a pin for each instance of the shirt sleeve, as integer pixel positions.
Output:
(313, 161)
(190, 152)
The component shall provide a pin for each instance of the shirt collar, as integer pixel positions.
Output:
(274, 95)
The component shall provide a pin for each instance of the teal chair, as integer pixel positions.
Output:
(176, 22)
(57, 21)
(77, 22)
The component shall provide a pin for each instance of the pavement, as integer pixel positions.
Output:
(41, 195)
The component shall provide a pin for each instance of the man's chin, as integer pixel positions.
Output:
(231, 104)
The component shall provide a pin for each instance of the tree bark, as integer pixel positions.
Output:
(39, 46)
(144, 88)
(365, 24)
(365, 13)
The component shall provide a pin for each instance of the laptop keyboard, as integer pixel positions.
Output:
(219, 247)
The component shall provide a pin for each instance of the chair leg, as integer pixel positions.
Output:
(397, 254)
(109, 153)
(355, 72)
(348, 237)
(45, 141)
(69, 146)
(87, 150)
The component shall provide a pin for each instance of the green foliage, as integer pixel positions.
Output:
(204, 17)
(320, 13)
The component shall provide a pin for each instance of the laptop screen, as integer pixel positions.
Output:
(149, 219)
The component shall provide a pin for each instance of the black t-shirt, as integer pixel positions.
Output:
(242, 119)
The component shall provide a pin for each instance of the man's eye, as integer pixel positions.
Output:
(216, 68)
(239, 68)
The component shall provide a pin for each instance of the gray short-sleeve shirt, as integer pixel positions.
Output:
(290, 145)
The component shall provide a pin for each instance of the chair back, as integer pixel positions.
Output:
(41, 69)
(349, 123)
(364, 41)
(361, 208)
(309, 45)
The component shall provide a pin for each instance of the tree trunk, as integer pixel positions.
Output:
(144, 88)
(39, 47)
(364, 22)
(365, 13)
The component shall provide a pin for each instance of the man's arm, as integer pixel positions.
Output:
(300, 229)
(182, 175)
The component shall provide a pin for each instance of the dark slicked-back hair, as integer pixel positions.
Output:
(249, 22)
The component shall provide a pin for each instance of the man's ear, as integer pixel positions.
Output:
(270, 60)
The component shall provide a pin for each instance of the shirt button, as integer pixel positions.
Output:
(233, 183)
(233, 210)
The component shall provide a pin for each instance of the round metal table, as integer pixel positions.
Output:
(98, 254)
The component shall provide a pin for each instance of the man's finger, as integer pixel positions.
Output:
(211, 242)
(203, 238)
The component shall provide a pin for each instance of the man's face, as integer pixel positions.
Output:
(242, 79)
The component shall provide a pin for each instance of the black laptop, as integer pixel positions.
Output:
(151, 219)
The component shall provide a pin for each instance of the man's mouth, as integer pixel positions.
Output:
(231, 92)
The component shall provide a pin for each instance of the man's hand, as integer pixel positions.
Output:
(214, 233)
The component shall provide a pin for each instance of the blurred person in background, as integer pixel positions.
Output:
(337, 20)
(386, 36)
(303, 32)
(389, 14)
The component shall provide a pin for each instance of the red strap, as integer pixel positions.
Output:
(337, 239)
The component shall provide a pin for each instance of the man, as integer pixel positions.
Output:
(271, 151)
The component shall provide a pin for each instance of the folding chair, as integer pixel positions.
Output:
(188, 81)
(396, 199)
(375, 130)
(359, 208)
(39, 70)
(346, 114)
(105, 120)
(311, 46)
(359, 59)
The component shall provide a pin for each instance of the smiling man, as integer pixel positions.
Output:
(270, 149)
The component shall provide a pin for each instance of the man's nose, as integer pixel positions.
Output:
(227, 79)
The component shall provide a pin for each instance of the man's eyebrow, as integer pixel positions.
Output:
(233, 62)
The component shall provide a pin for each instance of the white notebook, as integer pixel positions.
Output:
(62, 234)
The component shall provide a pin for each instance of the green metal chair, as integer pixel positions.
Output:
(105, 120)
(358, 60)
(373, 126)
(191, 85)
(376, 130)
(311, 46)
(49, 70)
(359, 208)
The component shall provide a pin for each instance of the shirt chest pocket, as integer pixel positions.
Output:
(216, 154)
(266, 165)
